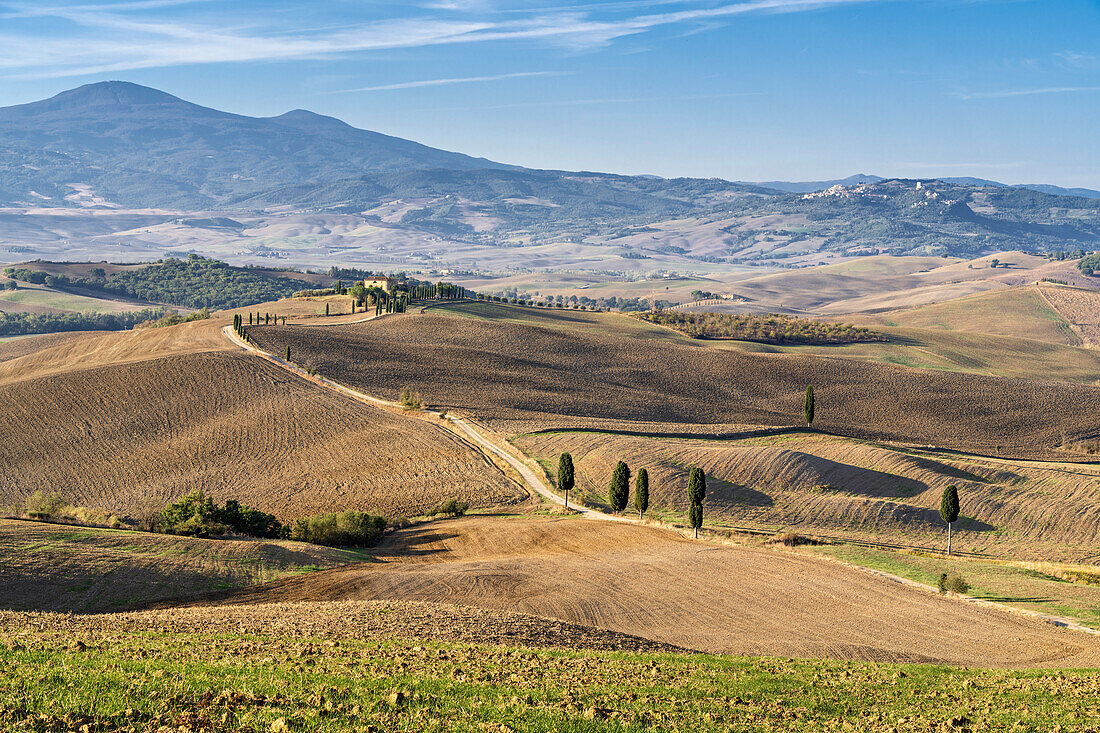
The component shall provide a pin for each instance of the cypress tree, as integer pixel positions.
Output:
(808, 408)
(326, 308)
(288, 352)
(949, 510)
(697, 491)
(641, 492)
(565, 475)
(695, 518)
(620, 487)
(697, 486)
(249, 318)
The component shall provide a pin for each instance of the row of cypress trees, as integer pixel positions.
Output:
(238, 326)
(619, 492)
(267, 319)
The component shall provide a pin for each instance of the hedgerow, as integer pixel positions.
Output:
(774, 328)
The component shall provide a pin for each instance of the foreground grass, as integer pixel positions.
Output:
(145, 681)
(1034, 586)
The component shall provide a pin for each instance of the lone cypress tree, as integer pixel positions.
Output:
(697, 486)
(695, 518)
(326, 308)
(288, 352)
(641, 492)
(808, 408)
(697, 491)
(620, 487)
(565, 475)
(949, 510)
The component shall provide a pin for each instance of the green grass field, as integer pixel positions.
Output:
(222, 680)
(1018, 312)
(64, 301)
(1035, 587)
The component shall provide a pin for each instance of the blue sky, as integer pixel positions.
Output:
(739, 89)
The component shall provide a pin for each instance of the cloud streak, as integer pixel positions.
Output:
(117, 40)
(445, 82)
(1008, 93)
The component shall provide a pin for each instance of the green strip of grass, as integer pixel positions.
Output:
(993, 580)
(228, 682)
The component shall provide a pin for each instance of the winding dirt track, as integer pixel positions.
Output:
(655, 584)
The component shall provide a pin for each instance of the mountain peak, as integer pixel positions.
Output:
(102, 95)
(109, 93)
(304, 119)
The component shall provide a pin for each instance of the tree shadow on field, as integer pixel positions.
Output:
(944, 469)
(412, 543)
(1013, 599)
(726, 493)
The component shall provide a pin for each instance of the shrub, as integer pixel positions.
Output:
(790, 539)
(339, 529)
(451, 507)
(42, 505)
(952, 584)
(411, 400)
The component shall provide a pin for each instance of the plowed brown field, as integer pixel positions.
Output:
(548, 375)
(825, 484)
(655, 584)
(126, 437)
(305, 622)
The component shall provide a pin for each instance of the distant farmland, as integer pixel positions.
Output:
(561, 373)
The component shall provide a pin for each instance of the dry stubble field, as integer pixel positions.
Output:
(523, 376)
(656, 584)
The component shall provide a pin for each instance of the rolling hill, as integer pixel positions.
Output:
(152, 415)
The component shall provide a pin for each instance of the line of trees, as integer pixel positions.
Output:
(618, 494)
(774, 328)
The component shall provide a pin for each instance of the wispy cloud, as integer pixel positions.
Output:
(1079, 59)
(120, 38)
(1025, 92)
(445, 82)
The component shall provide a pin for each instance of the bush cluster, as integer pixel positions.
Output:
(774, 328)
(952, 584)
(197, 515)
(194, 282)
(450, 508)
(339, 529)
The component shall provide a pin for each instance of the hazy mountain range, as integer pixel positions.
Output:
(117, 145)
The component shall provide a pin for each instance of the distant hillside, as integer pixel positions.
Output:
(116, 145)
(811, 186)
